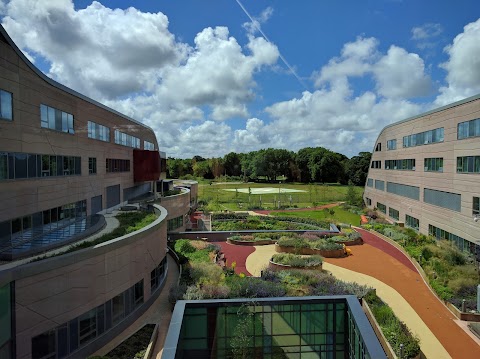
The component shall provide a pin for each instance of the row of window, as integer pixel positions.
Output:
(408, 164)
(380, 185)
(58, 120)
(15, 165)
(36, 224)
(393, 213)
(117, 165)
(174, 223)
(424, 138)
(460, 242)
(124, 139)
(465, 164)
(69, 337)
(468, 129)
(412, 222)
(403, 190)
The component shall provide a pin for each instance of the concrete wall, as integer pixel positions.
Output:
(56, 290)
(467, 184)
(177, 205)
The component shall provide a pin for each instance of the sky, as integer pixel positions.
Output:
(215, 76)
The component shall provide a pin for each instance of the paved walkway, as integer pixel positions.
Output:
(159, 313)
(237, 254)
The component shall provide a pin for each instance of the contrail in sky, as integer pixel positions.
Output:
(254, 23)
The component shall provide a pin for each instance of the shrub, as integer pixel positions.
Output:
(206, 273)
(354, 235)
(183, 246)
(251, 287)
(297, 260)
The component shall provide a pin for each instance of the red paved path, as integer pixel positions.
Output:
(381, 260)
(237, 254)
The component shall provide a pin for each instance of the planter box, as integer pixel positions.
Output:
(335, 253)
(355, 242)
(278, 266)
(470, 317)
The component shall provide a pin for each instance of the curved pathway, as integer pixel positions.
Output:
(389, 265)
(237, 254)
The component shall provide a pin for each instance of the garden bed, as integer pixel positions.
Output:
(309, 245)
(293, 261)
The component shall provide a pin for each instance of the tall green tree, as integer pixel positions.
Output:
(356, 168)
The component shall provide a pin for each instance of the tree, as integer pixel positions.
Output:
(356, 169)
(232, 164)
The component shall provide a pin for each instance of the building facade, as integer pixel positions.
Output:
(425, 173)
(65, 160)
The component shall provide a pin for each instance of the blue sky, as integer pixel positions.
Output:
(203, 76)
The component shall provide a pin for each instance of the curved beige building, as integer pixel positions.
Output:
(425, 173)
(65, 161)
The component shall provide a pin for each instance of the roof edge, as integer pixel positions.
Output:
(63, 87)
(438, 109)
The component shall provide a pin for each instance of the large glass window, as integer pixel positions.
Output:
(5, 316)
(124, 139)
(44, 345)
(56, 119)
(116, 165)
(476, 206)
(376, 164)
(118, 308)
(393, 213)
(6, 106)
(381, 207)
(98, 132)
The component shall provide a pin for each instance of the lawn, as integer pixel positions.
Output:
(340, 215)
(236, 196)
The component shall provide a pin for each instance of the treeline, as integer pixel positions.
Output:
(307, 165)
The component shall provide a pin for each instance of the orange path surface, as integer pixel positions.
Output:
(383, 265)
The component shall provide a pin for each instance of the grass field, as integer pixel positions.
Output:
(239, 198)
(340, 215)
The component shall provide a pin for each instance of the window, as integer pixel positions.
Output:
(44, 345)
(433, 164)
(404, 190)
(87, 326)
(158, 274)
(138, 294)
(391, 145)
(393, 213)
(378, 147)
(369, 201)
(148, 146)
(92, 165)
(412, 222)
(380, 185)
(376, 164)
(56, 119)
(381, 207)
(468, 164)
(118, 308)
(476, 206)
(369, 182)
(424, 138)
(6, 106)
(407, 164)
(115, 165)
(460, 242)
(174, 223)
(126, 140)
(468, 129)
(98, 132)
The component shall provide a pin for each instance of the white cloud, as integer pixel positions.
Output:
(400, 74)
(426, 31)
(463, 66)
